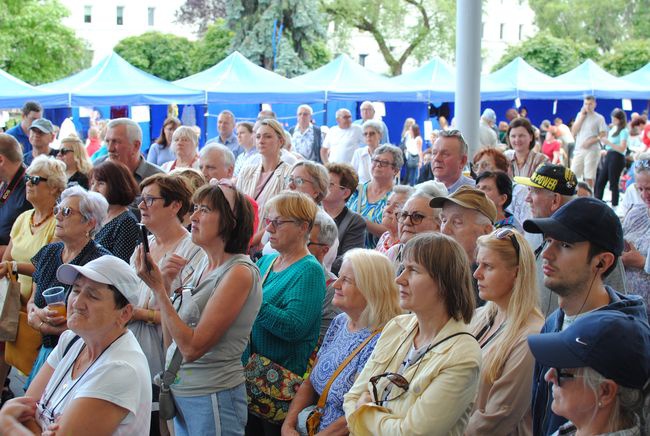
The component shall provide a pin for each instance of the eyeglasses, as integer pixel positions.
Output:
(371, 133)
(275, 223)
(64, 151)
(334, 185)
(66, 211)
(204, 210)
(416, 217)
(298, 181)
(395, 379)
(382, 163)
(34, 180)
(147, 199)
(310, 243)
(506, 232)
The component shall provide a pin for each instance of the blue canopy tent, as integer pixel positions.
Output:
(236, 80)
(433, 82)
(14, 93)
(589, 79)
(115, 82)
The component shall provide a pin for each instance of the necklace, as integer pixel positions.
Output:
(36, 225)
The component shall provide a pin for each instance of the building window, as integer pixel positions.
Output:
(120, 15)
(521, 32)
(502, 31)
(362, 59)
(150, 16)
(88, 14)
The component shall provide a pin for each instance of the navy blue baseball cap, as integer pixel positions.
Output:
(582, 219)
(615, 344)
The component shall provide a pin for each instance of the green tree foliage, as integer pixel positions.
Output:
(549, 54)
(627, 57)
(302, 41)
(161, 54)
(401, 28)
(212, 48)
(36, 46)
(201, 12)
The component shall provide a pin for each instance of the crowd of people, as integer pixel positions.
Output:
(325, 281)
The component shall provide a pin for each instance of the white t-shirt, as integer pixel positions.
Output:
(120, 376)
(343, 142)
(361, 162)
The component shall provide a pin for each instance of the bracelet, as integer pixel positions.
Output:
(41, 325)
(152, 317)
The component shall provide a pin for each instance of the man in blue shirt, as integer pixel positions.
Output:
(227, 136)
(41, 135)
(31, 111)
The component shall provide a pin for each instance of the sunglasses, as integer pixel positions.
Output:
(563, 374)
(298, 181)
(64, 151)
(416, 217)
(34, 180)
(397, 380)
(65, 211)
(506, 232)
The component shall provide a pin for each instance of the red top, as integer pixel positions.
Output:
(548, 148)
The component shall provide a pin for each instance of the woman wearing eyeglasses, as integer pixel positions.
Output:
(77, 163)
(119, 233)
(362, 157)
(33, 229)
(287, 327)
(390, 217)
(506, 280)
(366, 293)
(164, 202)
(370, 198)
(636, 231)
(423, 374)
(416, 217)
(78, 217)
(208, 326)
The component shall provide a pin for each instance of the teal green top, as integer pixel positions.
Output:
(287, 326)
(624, 134)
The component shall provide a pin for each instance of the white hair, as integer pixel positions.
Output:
(228, 156)
(133, 130)
(92, 205)
(305, 106)
(327, 230)
(430, 189)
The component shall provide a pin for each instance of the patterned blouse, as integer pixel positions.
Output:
(636, 229)
(120, 235)
(370, 211)
(533, 160)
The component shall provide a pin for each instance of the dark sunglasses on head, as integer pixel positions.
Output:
(506, 232)
(64, 151)
(34, 180)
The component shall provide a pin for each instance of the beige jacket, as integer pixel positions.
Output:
(247, 181)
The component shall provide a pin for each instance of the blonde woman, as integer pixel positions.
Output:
(506, 280)
(367, 294)
(77, 164)
(185, 146)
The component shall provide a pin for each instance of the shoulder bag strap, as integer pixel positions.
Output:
(323, 396)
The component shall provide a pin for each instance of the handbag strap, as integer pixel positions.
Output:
(323, 395)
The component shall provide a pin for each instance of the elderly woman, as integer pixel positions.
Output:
(78, 217)
(119, 233)
(33, 229)
(370, 198)
(522, 160)
(77, 164)
(506, 280)
(310, 178)
(98, 368)
(351, 226)
(246, 140)
(185, 146)
(423, 374)
(362, 157)
(636, 231)
(263, 181)
(416, 216)
(204, 358)
(164, 202)
(498, 188)
(489, 159)
(597, 394)
(390, 217)
(160, 151)
(286, 329)
(366, 293)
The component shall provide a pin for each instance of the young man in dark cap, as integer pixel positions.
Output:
(584, 240)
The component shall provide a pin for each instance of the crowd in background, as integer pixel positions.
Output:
(322, 280)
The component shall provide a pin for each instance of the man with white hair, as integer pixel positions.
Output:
(306, 138)
(486, 133)
(368, 113)
(216, 161)
(341, 140)
(123, 139)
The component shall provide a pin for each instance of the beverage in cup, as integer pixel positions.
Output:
(55, 298)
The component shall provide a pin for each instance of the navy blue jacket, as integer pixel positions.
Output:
(545, 422)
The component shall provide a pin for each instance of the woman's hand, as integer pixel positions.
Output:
(172, 267)
(22, 408)
(631, 257)
(52, 428)
(149, 272)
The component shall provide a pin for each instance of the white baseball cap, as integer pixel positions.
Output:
(109, 270)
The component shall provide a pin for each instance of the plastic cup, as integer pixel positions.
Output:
(55, 299)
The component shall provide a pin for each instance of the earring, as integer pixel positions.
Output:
(600, 404)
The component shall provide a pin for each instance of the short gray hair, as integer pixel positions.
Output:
(374, 125)
(398, 156)
(430, 189)
(403, 189)
(367, 103)
(52, 169)
(327, 230)
(642, 168)
(319, 173)
(342, 110)
(92, 205)
(133, 130)
(459, 136)
(305, 106)
(228, 156)
(227, 113)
